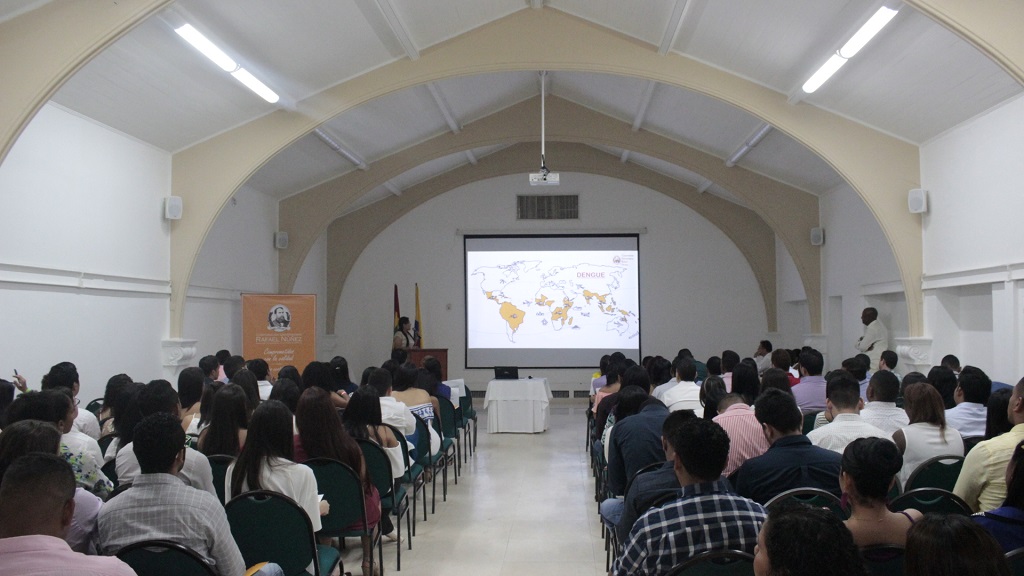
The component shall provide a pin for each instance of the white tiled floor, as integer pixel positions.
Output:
(524, 505)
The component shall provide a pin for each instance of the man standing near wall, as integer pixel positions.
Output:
(876, 337)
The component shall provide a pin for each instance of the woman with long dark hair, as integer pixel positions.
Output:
(321, 435)
(318, 375)
(340, 375)
(363, 421)
(229, 421)
(265, 463)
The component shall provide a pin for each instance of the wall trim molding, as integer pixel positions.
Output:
(975, 276)
(82, 280)
(214, 293)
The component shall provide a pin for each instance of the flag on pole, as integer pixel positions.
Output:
(417, 328)
(398, 313)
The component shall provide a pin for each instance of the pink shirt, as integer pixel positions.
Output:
(746, 439)
(40, 555)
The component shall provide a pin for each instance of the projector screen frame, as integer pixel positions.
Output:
(616, 236)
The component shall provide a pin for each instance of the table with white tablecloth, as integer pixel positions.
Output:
(518, 405)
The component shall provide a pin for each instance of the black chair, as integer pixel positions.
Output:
(716, 563)
(1015, 558)
(271, 527)
(219, 466)
(938, 472)
(883, 560)
(164, 558)
(972, 441)
(931, 500)
(105, 441)
(95, 406)
(809, 421)
(812, 497)
(469, 415)
(110, 471)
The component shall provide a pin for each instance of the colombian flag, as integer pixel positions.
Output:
(417, 327)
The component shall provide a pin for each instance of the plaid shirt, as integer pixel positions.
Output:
(708, 516)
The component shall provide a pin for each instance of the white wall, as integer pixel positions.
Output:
(84, 258)
(794, 318)
(697, 290)
(312, 279)
(858, 270)
(238, 256)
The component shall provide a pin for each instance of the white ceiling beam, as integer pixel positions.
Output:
(446, 109)
(624, 157)
(749, 144)
(333, 143)
(393, 188)
(536, 4)
(672, 27)
(704, 185)
(398, 28)
(471, 157)
(645, 101)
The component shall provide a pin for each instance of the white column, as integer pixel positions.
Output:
(177, 354)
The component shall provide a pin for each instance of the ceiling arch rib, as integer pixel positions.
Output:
(879, 167)
(45, 46)
(349, 235)
(789, 212)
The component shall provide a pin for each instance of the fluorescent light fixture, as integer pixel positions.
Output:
(252, 83)
(864, 35)
(873, 26)
(824, 73)
(209, 49)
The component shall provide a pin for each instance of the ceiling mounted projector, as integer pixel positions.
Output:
(545, 177)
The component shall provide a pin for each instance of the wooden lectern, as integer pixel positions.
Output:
(416, 356)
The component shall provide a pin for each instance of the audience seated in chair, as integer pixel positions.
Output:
(810, 392)
(37, 504)
(842, 409)
(635, 442)
(746, 438)
(971, 395)
(158, 396)
(952, 545)
(160, 506)
(65, 375)
(684, 394)
(799, 540)
(791, 461)
(869, 470)
(982, 482)
(927, 435)
(1006, 523)
(229, 422)
(707, 516)
(20, 438)
(997, 419)
(881, 410)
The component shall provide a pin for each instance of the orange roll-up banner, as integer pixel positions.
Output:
(280, 328)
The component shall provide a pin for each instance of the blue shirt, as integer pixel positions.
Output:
(791, 462)
(635, 442)
(1006, 524)
(708, 516)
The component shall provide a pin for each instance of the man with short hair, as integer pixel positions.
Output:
(842, 409)
(881, 410)
(685, 395)
(159, 397)
(875, 338)
(232, 365)
(707, 516)
(791, 461)
(261, 370)
(952, 362)
(971, 396)
(729, 361)
(65, 375)
(160, 506)
(746, 439)
(982, 481)
(660, 389)
(781, 359)
(222, 357)
(858, 370)
(702, 368)
(37, 503)
(887, 361)
(810, 392)
(392, 411)
(210, 368)
(763, 356)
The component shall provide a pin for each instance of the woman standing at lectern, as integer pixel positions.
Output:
(403, 335)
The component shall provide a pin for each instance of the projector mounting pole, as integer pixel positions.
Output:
(543, 91)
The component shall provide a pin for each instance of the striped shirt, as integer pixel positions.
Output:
(746, 438)
(708, 516)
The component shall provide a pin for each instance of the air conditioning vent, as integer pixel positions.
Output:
(548, 207)
(559, 393)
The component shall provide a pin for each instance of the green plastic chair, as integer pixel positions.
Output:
(809, 421)
(413, 476)
(219, 466)
(342, 488)
(449, 430)
(469, 417)
(812, 497)
(931, 500)
(433, 462)
(938, 472)
(271, 527)
(393, 499)
(716, 563)
(164, 558)
(1015, 558)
